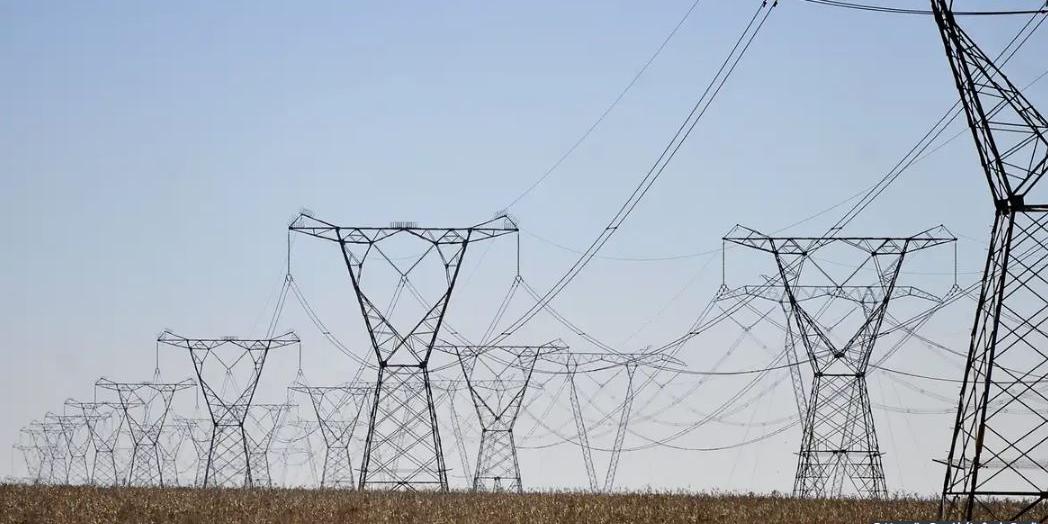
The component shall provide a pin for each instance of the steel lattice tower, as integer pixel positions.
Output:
(576, 363)
(1000, 437)
(330, 404)
(228, 370)
(51, 440)
(264, 421)
(33, 460)
(839, 440)
(172, 438)
(105, 421)
(199, 436)
(145, 406)
(76, 435)
(498, 387)
(42, 468)
(402, 427)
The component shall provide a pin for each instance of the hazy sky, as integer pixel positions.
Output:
(152, 156)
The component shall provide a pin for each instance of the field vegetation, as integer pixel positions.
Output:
(72, 504)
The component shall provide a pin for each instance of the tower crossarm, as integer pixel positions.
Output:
(247, 344)
(586, 362)
(806, 246)
(315, 227)
(854, 293)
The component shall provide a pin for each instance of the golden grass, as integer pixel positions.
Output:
(182, 505)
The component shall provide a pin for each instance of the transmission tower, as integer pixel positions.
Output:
(51, 440)
(497, 387)
(992, 447)
(105, 421)
(263, 421)
(197, 431)
(33, 460)
(305, 431)
(228, 370)
(76, 436)
(172, 439)
(37, 456)
(402, 425)
(579, 363)
(145, 406)
(839, 439)
(337, 409)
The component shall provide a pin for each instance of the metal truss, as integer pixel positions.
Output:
(172, 439)
(228, 370)
(402, 427)
(498, 387)
(105, 421)
(839, 439)
(197, 431)
(302, 441)
(584, 363)
(33, 458)
(47, 436)
(76, 435)
(338, 410)
(39, 457)
(1000, 437)
(145, 406)
(263, 421)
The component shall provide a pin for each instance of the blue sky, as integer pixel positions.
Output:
(151, 157)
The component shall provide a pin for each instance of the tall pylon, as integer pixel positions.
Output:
(497, 377)
(228, 370)
(610, 365)
(263, 422)
(403, 449)
(338, 410)
(839, 441)
(1000, 438)
(33, 457)
(145, 406)
(76, 435)
(197, 431)
(105, 422)
(46, 436)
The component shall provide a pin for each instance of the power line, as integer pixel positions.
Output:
(905, 11)
(698, 110)
(622, 94)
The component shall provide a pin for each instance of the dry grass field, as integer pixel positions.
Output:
(146, 505)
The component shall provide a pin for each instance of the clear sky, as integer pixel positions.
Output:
(152, 156)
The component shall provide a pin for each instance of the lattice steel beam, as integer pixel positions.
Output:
(839, 441)
(403, 427)
(228, 370)
(991, 446)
